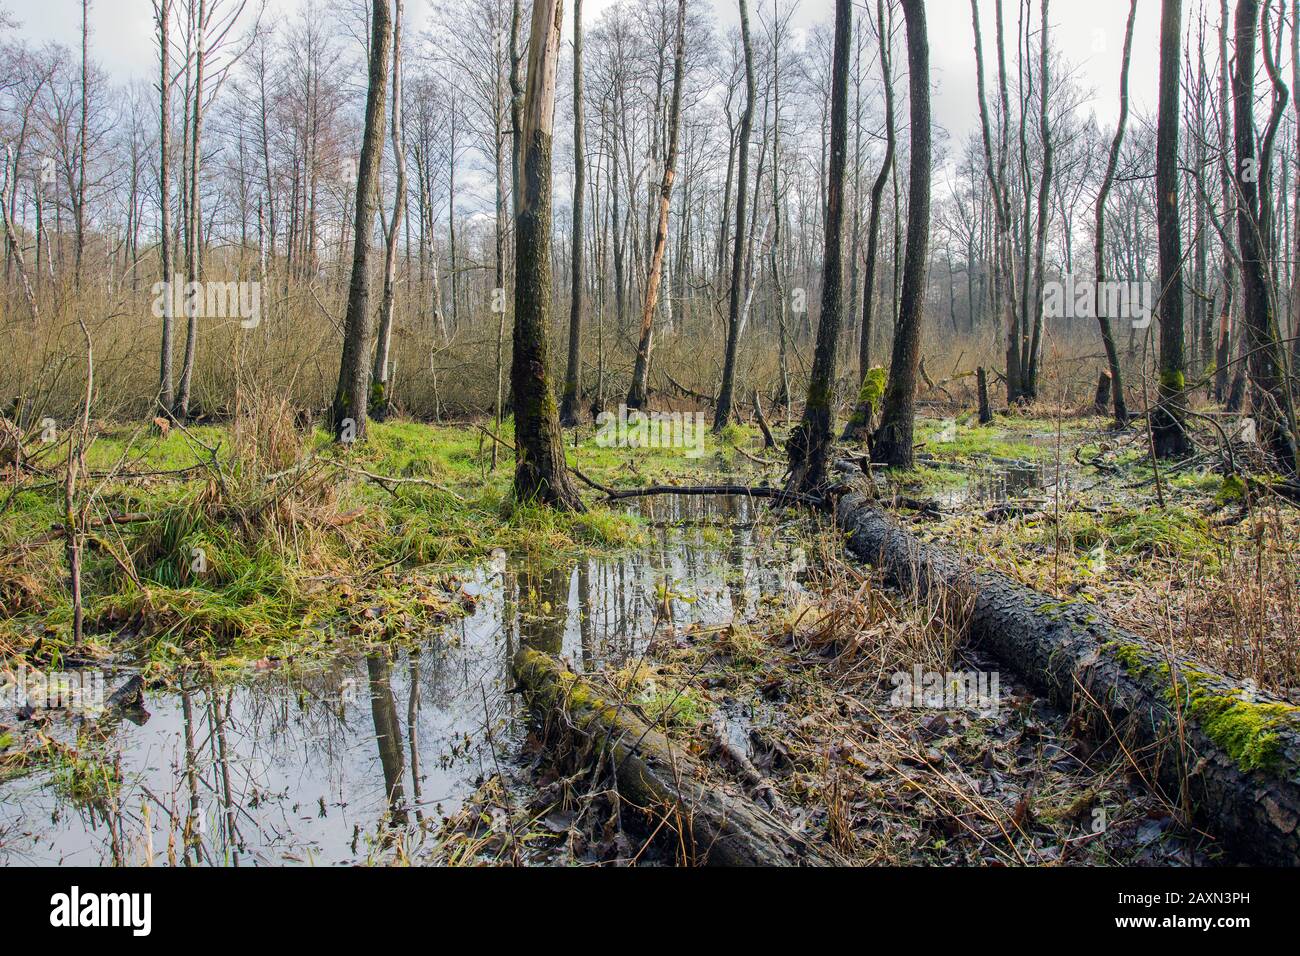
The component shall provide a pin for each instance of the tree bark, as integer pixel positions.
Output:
(162, 14)
(722, 411)
(1044, 206)
(893, 440)
(877, 194)
(572, 393)
(810, 442)
(1247, 791)
(1168, 418)
(1266, 363)
(716, 827)
(541, 473)
(381, 398)
(1099, 233)
(638, 393)
(995, 170)
(351, 396)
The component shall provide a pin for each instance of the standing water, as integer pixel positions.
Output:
(333, 765)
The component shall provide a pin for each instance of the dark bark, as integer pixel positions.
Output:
(877, 193)
(1044, 208)
(893, 440)
(541, 473)
(351, 396)
(810, 442)
(1223, 345)
(1249, 797)
(1266, 362)
(1168, 418)
(1116, 377)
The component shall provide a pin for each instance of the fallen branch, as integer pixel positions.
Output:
(745, 491)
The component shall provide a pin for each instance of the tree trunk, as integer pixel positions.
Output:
(1168, 428)
(1044, 207)
(877, 194)
(1223, 346)
(541, 473)
(1266, 363)
(995, 170)
(810, 443)
(715, 827)
(572, 394)
(893, 440)
(1116, 378)
(722, 411)
(162, 13)
(639, 392)
(352, 394)
(381, 398)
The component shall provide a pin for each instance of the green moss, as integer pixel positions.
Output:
(1232, 490)
(1245, 730)
(1172, 381)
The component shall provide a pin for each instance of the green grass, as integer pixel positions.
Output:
(284, 571)
(955, 441)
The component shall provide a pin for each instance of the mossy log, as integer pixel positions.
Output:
(717, 828)
(1236, 750)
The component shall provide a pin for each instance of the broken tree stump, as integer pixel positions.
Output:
(982, 385)
(1101, 401)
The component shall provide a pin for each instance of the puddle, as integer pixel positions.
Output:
(336, 765)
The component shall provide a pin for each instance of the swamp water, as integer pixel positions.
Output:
(332, 765)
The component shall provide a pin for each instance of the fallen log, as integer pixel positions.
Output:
(718, 828)
(1233, 756)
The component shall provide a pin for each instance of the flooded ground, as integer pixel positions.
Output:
(360, 760)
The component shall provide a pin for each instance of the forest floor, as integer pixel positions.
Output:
(228, 555)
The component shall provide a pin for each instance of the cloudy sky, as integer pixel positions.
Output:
(1090, 34)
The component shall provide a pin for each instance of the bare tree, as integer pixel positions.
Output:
(995, 169)
(573, 368)
(638, 393)
(352, 393)
(1168, 431)
(162, 16)
(541, 473)
(893, 440)
(877, 192)
(809, 445)
(1099, 234)
(722, 410)
(381, 398)
(1266, 357)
